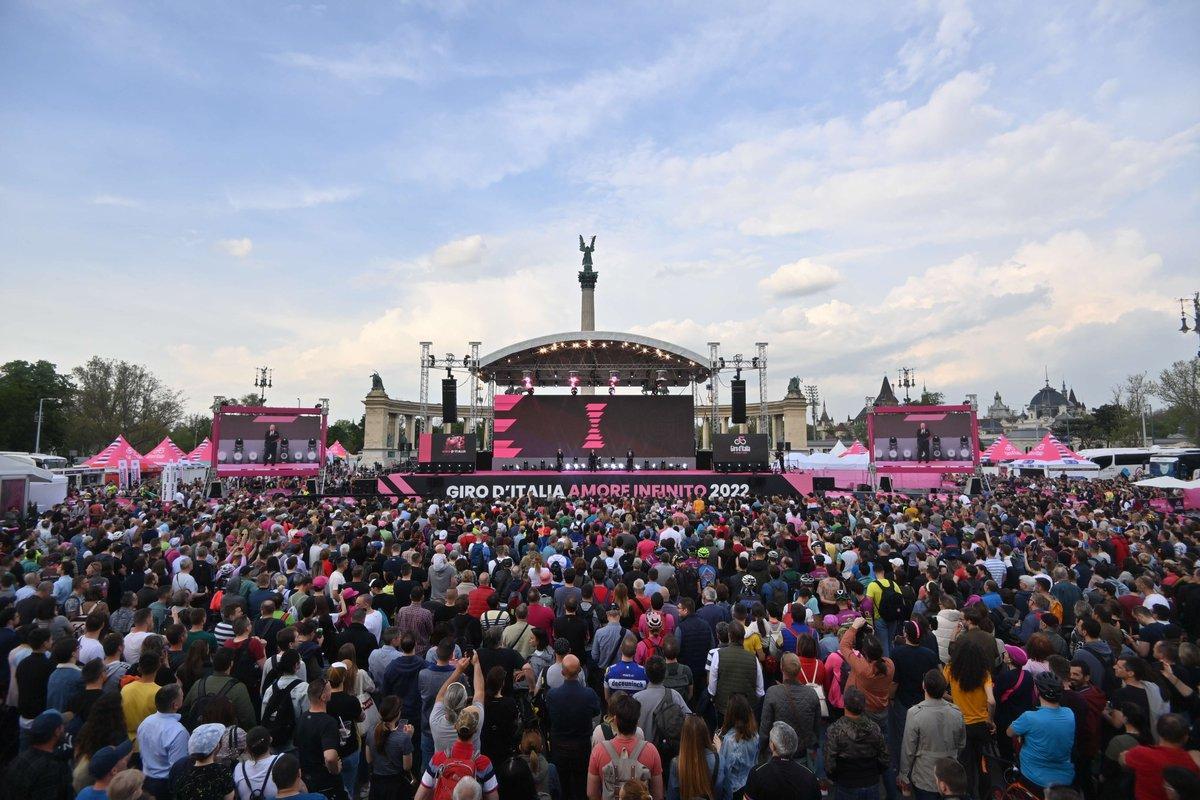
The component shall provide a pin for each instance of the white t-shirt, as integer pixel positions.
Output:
(1153, 599)
(133, 646)
(90, 648)
(249, 775)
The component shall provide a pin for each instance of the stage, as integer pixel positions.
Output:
(604, 484)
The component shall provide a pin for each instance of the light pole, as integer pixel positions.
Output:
(262, 381)
(37, 440)
(1145, 408)
(908, 380)
(1183, 317)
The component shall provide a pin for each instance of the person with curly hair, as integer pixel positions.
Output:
(970, 678)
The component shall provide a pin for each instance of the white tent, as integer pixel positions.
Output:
(1165, 482)
(22, 482)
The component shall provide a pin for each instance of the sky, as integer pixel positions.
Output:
(980, 192)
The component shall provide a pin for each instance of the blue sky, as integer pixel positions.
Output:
(973, 190)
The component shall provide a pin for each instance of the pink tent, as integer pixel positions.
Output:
(336, 450)
(855, 449)
(164, 452)
(119, 450)
(202, 453)
(1051, 449)
(1001, 450)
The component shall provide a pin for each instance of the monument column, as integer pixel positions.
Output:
(795, 417)
(587, 296)
(375, 427)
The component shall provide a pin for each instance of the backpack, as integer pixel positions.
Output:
(449, 774)
(621, 768)
(279, 717)
(668, 727)
(708, 576)
(892, 607)
(819, 689)
(480, 553)
(260, 792)
(246, 669)
(196, 712)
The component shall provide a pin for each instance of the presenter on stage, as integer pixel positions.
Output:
(591, 460)
(558, 460)
(271, 446)
(629, 460)
(924, 437)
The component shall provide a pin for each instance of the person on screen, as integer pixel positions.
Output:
(271, 446)
(924, 437)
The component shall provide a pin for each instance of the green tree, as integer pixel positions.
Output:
(1110, 423)
(929, 398)
(1179, 386)
(22, 383)
(349, 433)
(191, 430)
(116, 397)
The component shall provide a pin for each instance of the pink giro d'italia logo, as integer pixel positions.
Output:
(594, 440)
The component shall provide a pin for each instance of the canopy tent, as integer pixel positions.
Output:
(1051, 449)
(165, 451)
(1165, 482)
(1001, 450)
(337, 450)
(119, 450)
(837, 449)
(855, 449)
(202, 453)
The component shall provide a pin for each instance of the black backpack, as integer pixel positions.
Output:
(203, 698)
(668, 727)
(246, 669)
(279, 717)
(892, 606)
(259, 793)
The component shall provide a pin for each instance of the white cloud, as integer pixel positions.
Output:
(800, 278)
(465, 252)
(953, 168)
(238, 248)
(289, 197)
(935, 48)
(361, 63)
(115, 200)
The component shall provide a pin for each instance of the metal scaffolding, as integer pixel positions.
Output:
(714, 381)
(473, 388)
(763, 423)
(424, 396)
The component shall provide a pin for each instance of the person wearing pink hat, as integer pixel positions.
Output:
(1013, 689)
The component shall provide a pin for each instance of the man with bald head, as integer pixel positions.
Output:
(572, 707)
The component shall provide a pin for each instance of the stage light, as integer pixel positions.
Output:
(963, 444)
(222, 456)
(254, 455)
(937, 447)
(907, 454)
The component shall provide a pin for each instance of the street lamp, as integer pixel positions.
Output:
(1145, 409)
(1183, 317)
(37, 441)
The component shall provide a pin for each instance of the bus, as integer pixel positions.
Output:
(1182, 463)
(39, 460)
(1115, 462)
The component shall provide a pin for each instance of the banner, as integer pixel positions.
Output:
(446, 448)
(934, 438)
(740, 448)
(599, 485)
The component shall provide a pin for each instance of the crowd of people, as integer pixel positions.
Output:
(1038, 640)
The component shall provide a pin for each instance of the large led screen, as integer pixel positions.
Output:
(537, 426)
(939, 437)
(247, 446)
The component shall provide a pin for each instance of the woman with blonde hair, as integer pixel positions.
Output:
(545, 775)
(695, 772)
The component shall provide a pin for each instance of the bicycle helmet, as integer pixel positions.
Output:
(749, 582)
(807, 580)
(773, 556)
(847, 541)
(702, 552)
(1049, 686)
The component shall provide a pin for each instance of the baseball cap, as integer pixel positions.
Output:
(106, 759)
(44, 726)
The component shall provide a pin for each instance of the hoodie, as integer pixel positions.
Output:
(401, 680)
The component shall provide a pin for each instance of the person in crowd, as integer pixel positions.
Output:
(463, 751)
(737, 746)
(644, 763)
(1148, 762)
(389, 752)
(856, 756)
(162, 740)
(571, 707)
(37, 773)
(933, 729)
(970, 680)
(1047, 736)
(782, 775)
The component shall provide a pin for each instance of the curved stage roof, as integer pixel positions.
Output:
(594, 356)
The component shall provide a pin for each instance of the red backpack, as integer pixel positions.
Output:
(449, 774)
